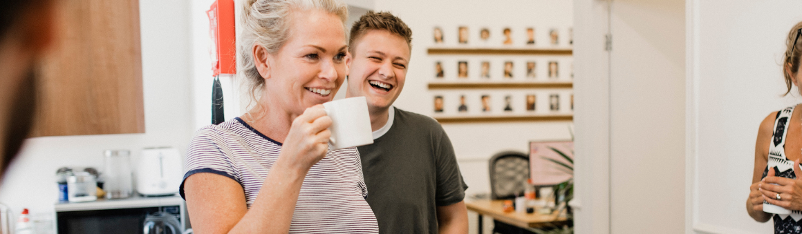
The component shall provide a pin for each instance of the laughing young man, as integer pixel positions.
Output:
(411, 172)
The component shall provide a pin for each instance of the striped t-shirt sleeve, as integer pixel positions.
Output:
(205, 156)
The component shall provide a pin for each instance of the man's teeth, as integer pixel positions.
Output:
(380, 84)
(322, 92)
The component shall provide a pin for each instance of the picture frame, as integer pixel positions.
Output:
(545, 172)
(438, 35)
(438, 104)
(462, 34)
(530, 36)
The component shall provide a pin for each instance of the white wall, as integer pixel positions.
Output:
(647, 112)
(739, 82)
(30, 182)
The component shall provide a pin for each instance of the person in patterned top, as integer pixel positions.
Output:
(780, 140)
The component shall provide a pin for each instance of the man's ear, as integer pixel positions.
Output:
(261, 61)
(347, 64)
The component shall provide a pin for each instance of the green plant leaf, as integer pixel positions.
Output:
(559, 163)
(563, 154)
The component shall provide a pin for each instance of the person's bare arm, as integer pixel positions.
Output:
(453, 218)
(216, 204)
(754, 204)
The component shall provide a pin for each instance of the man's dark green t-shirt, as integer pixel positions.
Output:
(410, 171)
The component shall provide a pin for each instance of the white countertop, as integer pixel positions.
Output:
(134, 202)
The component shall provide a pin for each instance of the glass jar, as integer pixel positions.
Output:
(117, 182)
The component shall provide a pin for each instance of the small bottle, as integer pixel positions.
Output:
(61, 179)
(24, 225)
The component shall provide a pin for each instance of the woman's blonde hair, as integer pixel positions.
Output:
(266, 23)
(792, 55)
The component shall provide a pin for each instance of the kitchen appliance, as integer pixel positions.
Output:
(162, 223)
(119, 216)
(81, 187)
(159, 171)
(118, 182)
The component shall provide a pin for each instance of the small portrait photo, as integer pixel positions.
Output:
(572, 101)
(530, 36)
(507, 36)
(554, 102)
(530, 102)
(508, 69)
(438, 104)
(530, 69)
(438, 35)
(484, 34)
(508, 103)
(485, 103)
(462, 69)
(485, 69)
(462, 106)
(438, 69)
(553, 72)
(555, 36)
(463, 35)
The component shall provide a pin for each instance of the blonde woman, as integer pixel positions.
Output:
(780, 138)
(270, 170)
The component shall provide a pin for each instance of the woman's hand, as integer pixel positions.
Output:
(307, 141)
(756, 196)
(790, 190)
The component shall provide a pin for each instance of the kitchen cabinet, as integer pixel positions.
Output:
(91, 82)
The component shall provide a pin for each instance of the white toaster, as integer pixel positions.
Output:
(159, 171)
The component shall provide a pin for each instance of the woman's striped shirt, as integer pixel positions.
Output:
(332, 197)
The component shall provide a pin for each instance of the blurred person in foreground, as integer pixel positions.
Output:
(26, 32)
(410, 169)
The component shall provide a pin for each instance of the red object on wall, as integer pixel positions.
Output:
(223, 34)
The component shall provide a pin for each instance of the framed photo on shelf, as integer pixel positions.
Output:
(438, 35)
(543, 170)
(508, 69)
(484, 34)
(554, 102)
(554, 34)
(485, 70)
(530, 102)
(462, 69)
(438, 69)
(507, 36)
(486, 103)
(463, 106)
(438, 104)
(463, 34)
(530, 69)
(530, 36)
(553, 70)
(508, 103)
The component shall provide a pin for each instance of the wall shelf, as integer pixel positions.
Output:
(498, 85)
(501, 51)
(517, 118)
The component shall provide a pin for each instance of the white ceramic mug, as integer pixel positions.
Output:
(350, 122)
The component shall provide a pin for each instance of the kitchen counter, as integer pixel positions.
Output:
(135, 201)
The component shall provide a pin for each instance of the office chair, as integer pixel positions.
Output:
(508, 172)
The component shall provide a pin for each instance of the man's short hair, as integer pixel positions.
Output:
(379, 21)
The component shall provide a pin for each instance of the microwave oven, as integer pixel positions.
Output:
(120, 216)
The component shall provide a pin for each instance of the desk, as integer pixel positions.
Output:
(493, 208)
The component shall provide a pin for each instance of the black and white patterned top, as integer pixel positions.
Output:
(332, 197)
(783, 223)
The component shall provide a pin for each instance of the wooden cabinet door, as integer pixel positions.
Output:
(91, 82)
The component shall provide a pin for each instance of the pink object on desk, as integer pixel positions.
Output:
(545, 172)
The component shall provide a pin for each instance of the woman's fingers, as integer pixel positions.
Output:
(777, 180)
(781, 203)
(773, 188)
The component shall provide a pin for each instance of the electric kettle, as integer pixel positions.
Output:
(162, 223)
